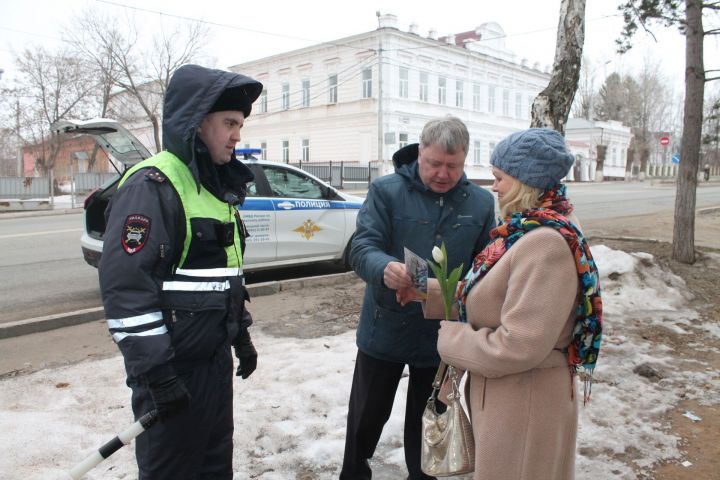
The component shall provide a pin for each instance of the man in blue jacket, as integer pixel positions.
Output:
(427, 201)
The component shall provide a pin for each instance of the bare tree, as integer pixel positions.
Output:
(142, 74)
(688, 16)
(51, 86)
(615, 99)
(8, 152)
(585, 100)
(551, 107)
(88, 27)
(711, 131)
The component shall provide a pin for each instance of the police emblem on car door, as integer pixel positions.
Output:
(308, 224)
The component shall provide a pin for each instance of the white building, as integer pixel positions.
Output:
(583, 137)
(359, 99)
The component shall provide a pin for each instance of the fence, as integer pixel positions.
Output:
(340, 175)
(20, 188)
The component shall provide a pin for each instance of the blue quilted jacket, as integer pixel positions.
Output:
(400, 211)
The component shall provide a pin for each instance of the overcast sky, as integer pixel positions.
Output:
(248, 30)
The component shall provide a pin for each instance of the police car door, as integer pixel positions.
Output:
(307, 224)
(258, 215)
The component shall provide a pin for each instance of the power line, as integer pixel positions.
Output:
(225, 25)
(360, 67)
(341, 72)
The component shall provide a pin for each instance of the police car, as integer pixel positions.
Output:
(293, 217)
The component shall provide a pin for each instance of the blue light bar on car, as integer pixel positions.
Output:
(247, 153)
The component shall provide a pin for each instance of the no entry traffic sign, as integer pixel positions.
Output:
(664, 141)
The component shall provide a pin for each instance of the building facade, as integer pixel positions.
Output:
(583, 138)
(361, 98)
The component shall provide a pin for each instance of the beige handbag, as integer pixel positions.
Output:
(448, 446)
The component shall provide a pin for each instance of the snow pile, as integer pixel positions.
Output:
(290, 415)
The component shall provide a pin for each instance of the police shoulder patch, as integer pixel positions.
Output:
(135, 233)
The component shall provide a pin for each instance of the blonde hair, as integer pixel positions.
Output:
(520, 197)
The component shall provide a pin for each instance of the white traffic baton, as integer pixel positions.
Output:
(123, 438)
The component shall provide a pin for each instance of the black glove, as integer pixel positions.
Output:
(168, 393)
(246, 354)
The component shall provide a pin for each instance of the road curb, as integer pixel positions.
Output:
(39, 213)
(52, 322)
(708, 210)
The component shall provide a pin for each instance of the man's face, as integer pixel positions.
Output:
(220, 131)
(440, 171)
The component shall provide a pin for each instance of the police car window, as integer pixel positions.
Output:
(287, 183)
(252, 189)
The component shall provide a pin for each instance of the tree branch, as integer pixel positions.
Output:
(642, 22)
(711, 79)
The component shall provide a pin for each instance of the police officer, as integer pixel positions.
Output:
(171, 277)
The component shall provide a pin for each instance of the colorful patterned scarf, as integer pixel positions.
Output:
(587, 334)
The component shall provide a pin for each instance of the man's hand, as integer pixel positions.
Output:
(396, 277)
(246, 354)
(169, 395)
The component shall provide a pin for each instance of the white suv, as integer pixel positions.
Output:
(293, 217)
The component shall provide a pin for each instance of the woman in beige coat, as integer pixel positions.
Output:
(530, 318)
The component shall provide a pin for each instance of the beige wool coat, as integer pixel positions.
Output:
(519, 392)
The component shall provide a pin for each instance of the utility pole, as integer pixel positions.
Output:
(20, 169)
(380, 97)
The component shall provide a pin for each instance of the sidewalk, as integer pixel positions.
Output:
(51, 322)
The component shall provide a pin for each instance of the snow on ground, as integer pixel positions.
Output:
(290, 415)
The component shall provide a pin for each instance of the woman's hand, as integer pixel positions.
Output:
(407, 295)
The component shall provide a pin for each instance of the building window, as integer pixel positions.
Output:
(476, 98)
(442, 90)
(285, 99)
(332, 89)
(286, 151)
(404, 83)
(506, 102)
(423, 86)
(491, 148)
(476, 152)
(263, 150)
(306, 150)
(367, 83)
(459, 93)
(491, 98)
(402, 140)
(518, 105)
(263, 101)
(306, 93)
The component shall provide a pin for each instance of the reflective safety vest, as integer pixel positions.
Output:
(212, 249)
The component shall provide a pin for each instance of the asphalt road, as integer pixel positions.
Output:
(42, 271)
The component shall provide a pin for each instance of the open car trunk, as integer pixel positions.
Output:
(124, 151)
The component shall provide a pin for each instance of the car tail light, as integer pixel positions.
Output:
(89, 198)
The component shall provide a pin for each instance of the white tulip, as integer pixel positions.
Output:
(437, 255)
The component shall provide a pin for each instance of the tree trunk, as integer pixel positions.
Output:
(684, 227)
(156, 133)
(644, 157)
(552, 106)
(600, 166)
(629, 163)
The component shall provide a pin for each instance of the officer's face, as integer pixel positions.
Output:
(220, 131)
(440, 171)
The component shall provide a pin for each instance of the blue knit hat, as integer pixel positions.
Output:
(537, 157)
